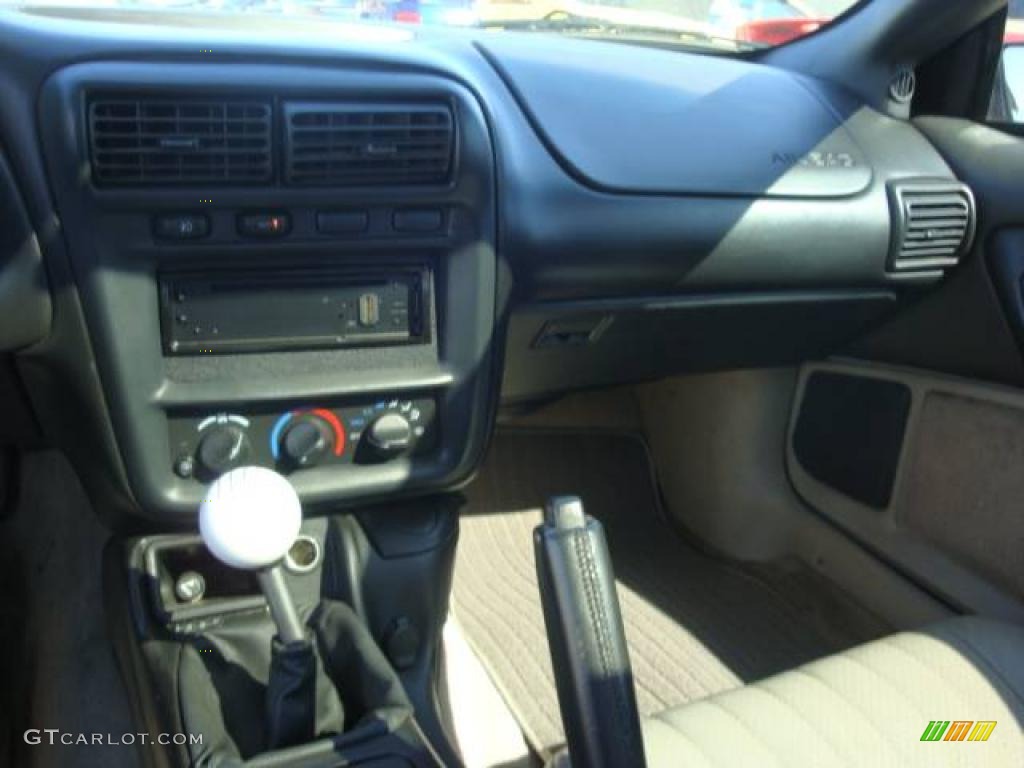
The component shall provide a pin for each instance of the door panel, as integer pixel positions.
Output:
(943, 504)
(953, 517)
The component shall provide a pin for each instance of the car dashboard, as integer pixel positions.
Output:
(337, 252)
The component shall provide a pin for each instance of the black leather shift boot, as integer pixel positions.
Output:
(227, 693)
(301, 702)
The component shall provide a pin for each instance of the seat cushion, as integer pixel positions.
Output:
(868, 706)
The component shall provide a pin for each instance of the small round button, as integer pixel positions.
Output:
(184, 467)
(190, 587)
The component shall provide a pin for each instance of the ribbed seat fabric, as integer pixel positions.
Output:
(868, 706)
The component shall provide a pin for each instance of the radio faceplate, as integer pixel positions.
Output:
(301, 308)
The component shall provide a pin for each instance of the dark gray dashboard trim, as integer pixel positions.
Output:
(555, 346)
(115, 260)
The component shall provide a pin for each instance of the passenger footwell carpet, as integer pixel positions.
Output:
(695, 624)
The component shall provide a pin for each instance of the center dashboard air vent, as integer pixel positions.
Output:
(358, 144)
(933, 224)
(157, 141)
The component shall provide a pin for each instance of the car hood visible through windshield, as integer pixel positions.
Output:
(720, 24)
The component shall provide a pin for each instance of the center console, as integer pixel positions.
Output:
(285, 267)
(202, 654)
(289, 266)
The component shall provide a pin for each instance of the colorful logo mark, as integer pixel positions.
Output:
(958, 730)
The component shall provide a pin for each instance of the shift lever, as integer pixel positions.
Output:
(249, 519)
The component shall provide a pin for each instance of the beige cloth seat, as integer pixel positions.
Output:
(868, 706)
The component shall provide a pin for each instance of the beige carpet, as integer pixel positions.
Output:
(695, 625)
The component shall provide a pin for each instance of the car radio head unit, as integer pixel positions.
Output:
(259, 311)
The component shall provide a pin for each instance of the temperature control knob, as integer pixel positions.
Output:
(222, 447)
(389, 435)
(306, 441)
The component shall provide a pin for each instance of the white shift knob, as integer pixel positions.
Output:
(250, 517)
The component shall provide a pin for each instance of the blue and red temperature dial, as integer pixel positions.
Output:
(302, 438)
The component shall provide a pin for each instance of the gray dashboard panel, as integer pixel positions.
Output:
(652, 121)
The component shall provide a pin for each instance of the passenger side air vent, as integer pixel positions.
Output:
(352, 144)
(933, 224)
(159, 141)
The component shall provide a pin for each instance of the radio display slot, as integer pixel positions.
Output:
(209, 312)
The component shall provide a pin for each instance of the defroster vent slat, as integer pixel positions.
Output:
(358, 144)
(159, 141)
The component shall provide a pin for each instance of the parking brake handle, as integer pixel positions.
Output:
(585, 635)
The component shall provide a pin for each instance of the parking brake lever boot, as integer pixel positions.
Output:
(249, 519)
(588, 646)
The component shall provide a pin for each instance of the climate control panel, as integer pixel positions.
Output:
(207, 444)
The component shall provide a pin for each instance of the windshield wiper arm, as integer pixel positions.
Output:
(586, 25)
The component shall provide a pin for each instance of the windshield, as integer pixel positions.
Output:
(723, 24)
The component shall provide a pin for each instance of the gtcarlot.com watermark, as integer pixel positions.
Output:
(55, 736)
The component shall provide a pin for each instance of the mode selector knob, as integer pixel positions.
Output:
(306, 442)
(222, 447)
(389, 434)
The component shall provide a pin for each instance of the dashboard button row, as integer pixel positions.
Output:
(276, 224)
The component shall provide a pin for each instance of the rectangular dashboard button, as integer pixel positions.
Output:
(181, 226)
(264, 224)
(418, 220)
(341, 222)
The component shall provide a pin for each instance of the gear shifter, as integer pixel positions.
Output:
(312, 662)
(249, 520)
